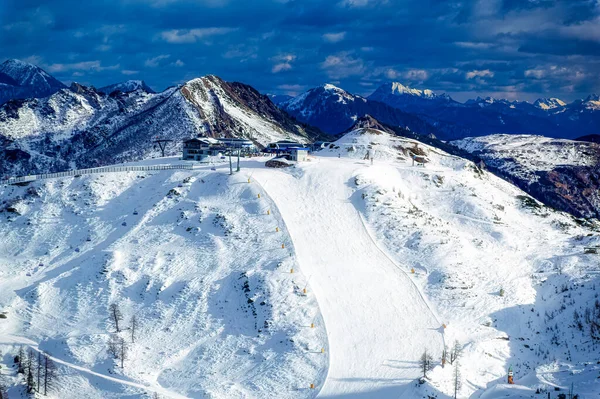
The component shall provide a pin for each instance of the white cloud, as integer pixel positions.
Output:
(179, 63)
(361, 3)
(485, 73)
(334, 37)
(154, 62)
(535, 73)
(391, 73)
(411, 74)
(81, 66)
(192, 35)
(129, 72)
(342, 65)
(416, 74)
(284, 66)
(283, 62)
(473, 45)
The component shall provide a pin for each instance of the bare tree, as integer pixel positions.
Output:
(455, 353)
(39, 370)
(20, 361)
(134, 327)
(457, 382)
(117, 347)
(122, 351)
(49, 373)
(115, 315)
(426, 363)
(29, 370)
(113, 346)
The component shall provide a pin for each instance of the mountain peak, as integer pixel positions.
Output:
(548, 103)
(127, 87)
(26, 74)
(399, 96)
(26, 80)
(368, 122)
(399, 89)
(330, 87)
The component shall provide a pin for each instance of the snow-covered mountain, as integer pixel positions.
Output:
(20, 79)
(340, 275)
(81, 126)
(407, 99)
(564, 174)
(549, 103)
(126, 87)
(483, 116)
(334, 110)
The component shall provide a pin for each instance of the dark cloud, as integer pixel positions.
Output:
(521, 48)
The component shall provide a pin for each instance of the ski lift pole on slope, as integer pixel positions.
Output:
(162, 144)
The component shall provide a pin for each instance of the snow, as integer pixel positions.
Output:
(126, 87)
(366, 299)
(317, 97)
(399, 89)
(395, 259)
(525, 154)
(180, 263)
(549, 103)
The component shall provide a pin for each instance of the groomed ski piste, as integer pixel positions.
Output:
(338, 272)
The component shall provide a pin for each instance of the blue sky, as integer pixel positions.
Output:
(516, 49)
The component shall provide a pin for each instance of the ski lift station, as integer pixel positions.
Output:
(198, 149)
(282, 146)
(244, 145)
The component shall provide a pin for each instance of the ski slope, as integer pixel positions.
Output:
(377, 322)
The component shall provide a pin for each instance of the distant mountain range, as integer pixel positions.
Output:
(80, 126)
(332, 109)
(127, 87)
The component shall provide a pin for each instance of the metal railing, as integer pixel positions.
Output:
(103, 169)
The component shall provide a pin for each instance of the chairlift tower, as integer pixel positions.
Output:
(162, 144)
